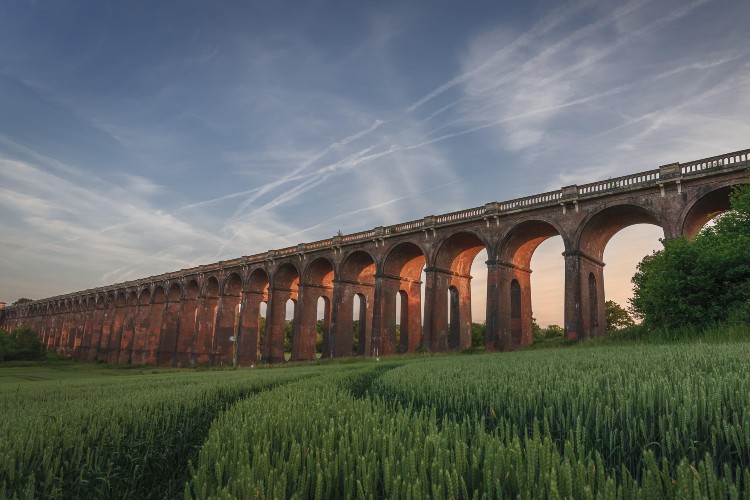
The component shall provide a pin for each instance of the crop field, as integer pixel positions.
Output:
(599, 422)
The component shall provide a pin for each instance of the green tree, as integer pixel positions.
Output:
(536, 330)
(478, 331)
(617, 316)
(319, 336)
(699, 281)
(7, 345)
(22, 343)
(553, 331)
(288, 335)
(22, 300)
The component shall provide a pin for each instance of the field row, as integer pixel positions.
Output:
(617, 422)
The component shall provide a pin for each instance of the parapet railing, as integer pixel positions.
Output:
(640, 180)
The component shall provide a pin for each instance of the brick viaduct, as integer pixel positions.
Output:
(189, 317)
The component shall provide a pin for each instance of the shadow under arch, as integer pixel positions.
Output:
(703, 209)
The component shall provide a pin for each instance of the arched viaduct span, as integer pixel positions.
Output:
(187, 317)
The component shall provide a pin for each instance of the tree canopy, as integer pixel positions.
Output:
(617, 316)
(703, 280)
(22, 343)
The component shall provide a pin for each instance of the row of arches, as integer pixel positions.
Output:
(378, 297)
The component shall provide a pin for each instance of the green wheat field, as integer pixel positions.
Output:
(632, 421)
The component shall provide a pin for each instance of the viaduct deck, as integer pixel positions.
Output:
(190, 316)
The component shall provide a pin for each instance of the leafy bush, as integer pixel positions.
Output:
(22, 343)
(700, 281)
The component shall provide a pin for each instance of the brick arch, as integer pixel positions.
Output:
(258, 280)
(319, 272)
(599, 227)
(456, 251)
(452, 267)
(518, 243)
(704, 206)
(406, 259)
(358, 266)
(356, 280)
(211, 287)
(402, 285)
(509, 308)
(232, 284)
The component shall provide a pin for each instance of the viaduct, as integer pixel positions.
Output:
(192, 316)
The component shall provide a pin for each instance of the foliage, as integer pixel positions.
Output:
(703, 281)
(551, 332)
(617, 317)
(478, 331)
(22, 300)
(22, 343)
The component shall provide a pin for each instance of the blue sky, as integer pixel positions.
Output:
(143, 137)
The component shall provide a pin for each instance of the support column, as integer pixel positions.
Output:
(96, 332)
(222, 345)
(138, 348)
(494, 337)
(116, 333)
(151, 344)
(381, 338)
(584, 296)
(186, 333)
(592, 297)
(207, 316)
(441, 339)
(435, 336)
(384, 324)
(305, 335)
(411, 321)
(128, 331)
(102, 351)
(338, 308)
(88, 327)
(514, 311)
(573, 316)
(342, 324)
(273, 342)
(170, 324)
(248, 341)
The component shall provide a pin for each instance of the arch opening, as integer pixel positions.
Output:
(285, 288)
(403, 299)
(705, 209)
(532, 240)
(453, 268)
(357, 279)
(625, 227)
